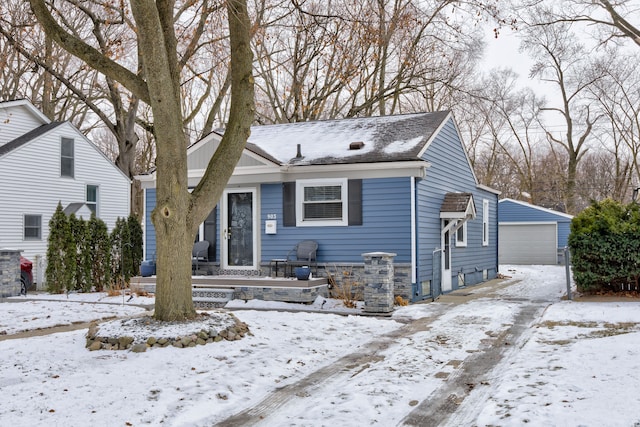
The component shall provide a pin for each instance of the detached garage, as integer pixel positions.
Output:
(529, 234)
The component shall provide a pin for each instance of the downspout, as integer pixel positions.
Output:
(414, 238)
(498, 237)
(144, 224)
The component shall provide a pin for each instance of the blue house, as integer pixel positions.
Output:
(531, 234)
(399, 184)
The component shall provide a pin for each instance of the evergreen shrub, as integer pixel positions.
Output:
(605, 247)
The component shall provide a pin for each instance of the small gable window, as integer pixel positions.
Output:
(67, 157)
(321, 202)
(33, 227)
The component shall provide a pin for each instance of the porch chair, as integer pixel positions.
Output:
(304, 253)
(200, 252)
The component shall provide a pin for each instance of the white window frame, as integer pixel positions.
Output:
(461, 243)
(97, 201)
(485, 222)
(301, 184)
(72, 157)
(24, 228)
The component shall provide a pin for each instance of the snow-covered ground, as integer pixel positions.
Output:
(578, 364)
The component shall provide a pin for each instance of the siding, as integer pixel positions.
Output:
(450, 172)
(512, 211)
(199, 158)
(31, 184)
(16, 121)
(386, 225)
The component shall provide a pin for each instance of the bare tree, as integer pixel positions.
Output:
(562, 61)
(100, 101)
(30, 59)
(611, 17)
(512, 135)
(618, 95)
(320, 59)
(178, 212)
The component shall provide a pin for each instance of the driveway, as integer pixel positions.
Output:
(448, 376)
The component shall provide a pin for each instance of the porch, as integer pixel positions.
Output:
(216, 291)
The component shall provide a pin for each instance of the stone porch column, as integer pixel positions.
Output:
(9, 272)
(378, 282)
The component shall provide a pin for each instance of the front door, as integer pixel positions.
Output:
(239, 238)
(446, 256)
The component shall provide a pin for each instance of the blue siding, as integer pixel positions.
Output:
(511, 211)
(563, 233)
(150, 231)
(450, 172)
(386, 225)
(386, 207)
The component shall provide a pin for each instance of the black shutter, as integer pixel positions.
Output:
(355, 202)
(289, 204)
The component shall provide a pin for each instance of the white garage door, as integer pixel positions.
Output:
(527, 244)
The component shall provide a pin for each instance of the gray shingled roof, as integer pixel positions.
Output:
(382, 139)
(73, 208)
(456, 202)
(27, 137)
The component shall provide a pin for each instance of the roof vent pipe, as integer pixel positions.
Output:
(299, 153)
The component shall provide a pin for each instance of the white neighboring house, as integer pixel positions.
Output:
(43, 163)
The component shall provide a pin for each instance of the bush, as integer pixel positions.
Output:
(82, 256)
(61, 254)
(82, 267)
(126, 250)
(605, 247)
(99, 247)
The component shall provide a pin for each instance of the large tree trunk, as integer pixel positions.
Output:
(178, 212)
(174, 239)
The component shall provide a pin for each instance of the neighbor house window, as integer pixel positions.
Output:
(461, 236)
(92, 198)
(67, 157)
(485, 223)
(32, 227)
(321, 202)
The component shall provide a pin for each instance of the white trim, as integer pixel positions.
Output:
(414, 255)
(445, 274)
(246, 175)
(415, 167)
(527, 222)
(461, 243)
(489, 189)
(26, 103)
(303, 183)
(144, 224)
(97, 202)
(224, 254)
(539, 208)
(485, 222)
(435, 134)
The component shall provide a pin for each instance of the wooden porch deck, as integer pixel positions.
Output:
(241, 281)
(215, 291)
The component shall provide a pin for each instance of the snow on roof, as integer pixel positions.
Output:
(384, 138)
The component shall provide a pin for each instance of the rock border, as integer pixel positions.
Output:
(95, 342)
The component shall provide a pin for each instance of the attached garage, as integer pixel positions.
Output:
(529, 234)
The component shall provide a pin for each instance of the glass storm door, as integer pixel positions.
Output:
(239, 229)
